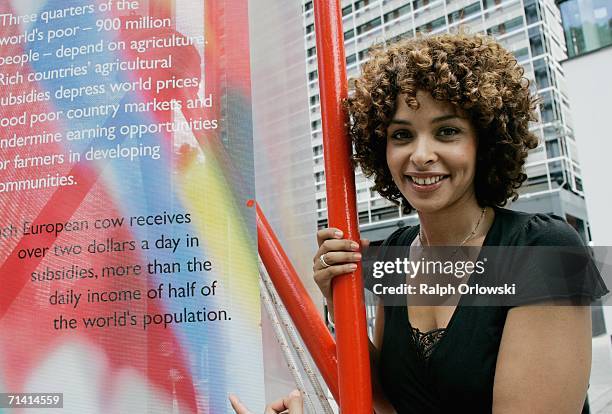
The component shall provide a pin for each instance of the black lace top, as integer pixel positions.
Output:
(452, 370)
(425, 342)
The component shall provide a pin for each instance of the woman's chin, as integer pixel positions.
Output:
(426, 206)
(427, 209)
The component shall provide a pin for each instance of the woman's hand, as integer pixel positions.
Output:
(291, 404)
(339, 256)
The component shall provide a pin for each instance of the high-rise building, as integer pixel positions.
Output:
(530, 29)
(587, 25)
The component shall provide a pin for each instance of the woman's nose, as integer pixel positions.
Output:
(424, 152)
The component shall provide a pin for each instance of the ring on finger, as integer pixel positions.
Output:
(323, 262)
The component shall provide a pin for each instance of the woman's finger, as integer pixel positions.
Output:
(328, 233)
(335, 258)
(334, 246)
(238, 406)
(293, 402)
(343, 245)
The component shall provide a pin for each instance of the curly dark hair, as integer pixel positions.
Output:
(474, 73)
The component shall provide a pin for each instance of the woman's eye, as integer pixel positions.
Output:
(401, 135)
(448, 132)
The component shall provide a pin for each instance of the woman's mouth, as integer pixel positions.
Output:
(428, 183)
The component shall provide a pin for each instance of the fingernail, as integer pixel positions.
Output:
(357, 256)
(353, 266)
(354, 246)
(338, 234)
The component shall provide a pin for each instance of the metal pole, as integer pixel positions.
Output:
(349, 311)
(300, 307)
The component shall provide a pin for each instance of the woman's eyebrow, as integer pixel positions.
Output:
(446, 118)
(400, 121)
(434, 120)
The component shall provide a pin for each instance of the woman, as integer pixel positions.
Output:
(441, 125)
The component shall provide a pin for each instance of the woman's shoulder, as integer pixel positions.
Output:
(561, 266)
(403, 236)
(535, 229)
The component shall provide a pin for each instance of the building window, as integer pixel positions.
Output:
(420, 3)
(536, 40)
(397, 13)
(312, 75)
(540, 69)
(385, 213)
(361, 3)
(552, 148)
(521, 54)
(364, 217)
(547, 107)
(464, 13)
(349, 34)
(506, 26)
(532, 12)
(490, 3)
(351, 59)
(314, 99)
(433, 25)
(308, 6)
(347, 10)
(367, 26)
(310, 28)
(311, 51)
(315, 124)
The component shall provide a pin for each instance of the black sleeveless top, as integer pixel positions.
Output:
(453, 369)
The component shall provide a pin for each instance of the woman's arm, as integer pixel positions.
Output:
(544, 360)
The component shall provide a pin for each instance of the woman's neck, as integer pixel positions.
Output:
(453, 225)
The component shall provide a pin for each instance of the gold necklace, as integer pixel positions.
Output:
(468, 237)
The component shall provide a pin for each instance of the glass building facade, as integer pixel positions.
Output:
(587, 25)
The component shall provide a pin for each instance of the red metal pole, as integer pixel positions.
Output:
(349, 311)
(300, 307)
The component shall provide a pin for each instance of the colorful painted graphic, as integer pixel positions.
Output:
(127, 254)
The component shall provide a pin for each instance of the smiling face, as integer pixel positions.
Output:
(431, 154)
